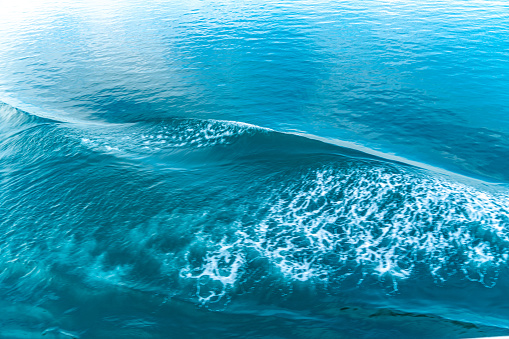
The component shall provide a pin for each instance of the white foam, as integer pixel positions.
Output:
(221, 265)
(143, 140)
(383, 222)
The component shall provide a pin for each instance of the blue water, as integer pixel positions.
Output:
(254, 169)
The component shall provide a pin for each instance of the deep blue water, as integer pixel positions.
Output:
(254, 169)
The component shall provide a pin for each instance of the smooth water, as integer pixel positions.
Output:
(249, 169)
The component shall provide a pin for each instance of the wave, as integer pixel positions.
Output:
(212, 211)
(359, 220)
(157, 136)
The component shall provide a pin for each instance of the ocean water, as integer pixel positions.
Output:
(254, 169)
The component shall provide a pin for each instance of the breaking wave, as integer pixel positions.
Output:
(249, 212)
(359, 220)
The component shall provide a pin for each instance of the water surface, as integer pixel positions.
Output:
(284, 169)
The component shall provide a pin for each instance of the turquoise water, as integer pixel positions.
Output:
(285, 169)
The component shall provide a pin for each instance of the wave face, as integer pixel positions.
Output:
(276, 169)
(196, 219)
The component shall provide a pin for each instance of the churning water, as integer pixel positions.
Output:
(249, 169)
